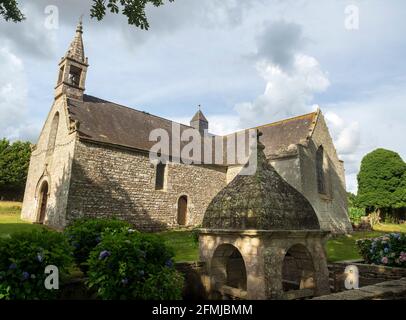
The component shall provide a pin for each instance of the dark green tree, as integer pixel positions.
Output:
(351, 199)
(14, 162)
(382, 182)
(10, 11)
(134, 10)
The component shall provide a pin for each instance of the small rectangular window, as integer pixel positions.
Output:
(160, 176)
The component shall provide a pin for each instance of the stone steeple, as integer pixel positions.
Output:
(199, 122)
(76, 50)
(73, 68)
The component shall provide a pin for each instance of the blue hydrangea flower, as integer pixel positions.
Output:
(26, 275)
(104, 254)
(386, 250)
(169, 263)
(12, 266)
(40, 257)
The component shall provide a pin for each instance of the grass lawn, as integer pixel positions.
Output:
(186, 249)
(10, 221)
(344, 247)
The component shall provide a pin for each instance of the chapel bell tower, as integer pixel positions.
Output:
(73, 69)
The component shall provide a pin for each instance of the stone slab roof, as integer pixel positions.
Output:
(107, 122)
(280, 137)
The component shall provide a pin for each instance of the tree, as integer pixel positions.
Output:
(14, 161)
(382, 181)
(351, 199)
(134, 10)
(9, 10)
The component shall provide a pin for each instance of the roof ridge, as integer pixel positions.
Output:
(314, 113)
(133, 109)
(284, 120)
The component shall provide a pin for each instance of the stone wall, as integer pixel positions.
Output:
(331, 208)
(52, 167)
(289, 169)
(376, 282)
(388, 290)
(368, 274)
(109, 181)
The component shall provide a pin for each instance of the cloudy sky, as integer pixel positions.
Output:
(245, 62)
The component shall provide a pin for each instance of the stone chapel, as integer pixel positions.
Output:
(92, 160)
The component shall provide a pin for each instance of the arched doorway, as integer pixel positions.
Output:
(182, 210)
(228, 271)
(298, 269)
(43, 199)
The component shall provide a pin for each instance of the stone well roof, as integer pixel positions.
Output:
(263, 201)
(107, 122)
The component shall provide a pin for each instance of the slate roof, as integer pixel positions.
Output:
(263, 201)
(278, 136)
(107, 122)
(199, 116)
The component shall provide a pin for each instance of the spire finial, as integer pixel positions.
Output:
(79, 27)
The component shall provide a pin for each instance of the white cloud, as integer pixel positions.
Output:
(14, 118)
(345, 133)
(286, 94)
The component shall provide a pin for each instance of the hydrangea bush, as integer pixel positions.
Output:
(127, 264)
(84, 234)
(23, 258)
(388, 250)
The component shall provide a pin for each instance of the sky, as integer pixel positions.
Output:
(245, 62)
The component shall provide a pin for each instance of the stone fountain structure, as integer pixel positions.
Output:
(261, 239)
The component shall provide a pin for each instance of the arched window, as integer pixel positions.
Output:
(43, 199)
(52, 134)
(321, 183)
(182, 211)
